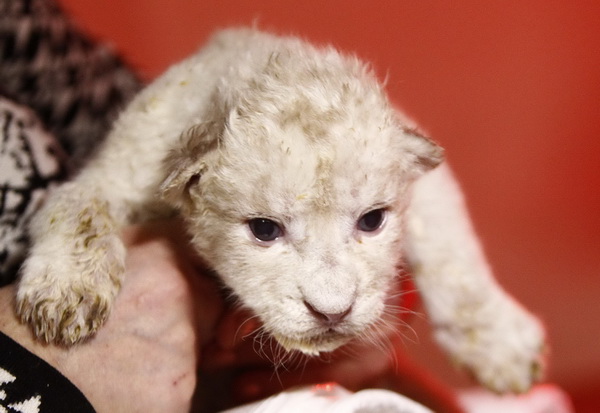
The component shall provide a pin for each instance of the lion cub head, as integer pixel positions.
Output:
(294, 187)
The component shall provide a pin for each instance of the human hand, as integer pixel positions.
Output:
(145, 357)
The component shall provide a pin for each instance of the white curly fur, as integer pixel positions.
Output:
(259, 126)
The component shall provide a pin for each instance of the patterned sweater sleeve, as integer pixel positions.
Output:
(30, 385)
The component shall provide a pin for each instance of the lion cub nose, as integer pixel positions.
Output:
(328, 319)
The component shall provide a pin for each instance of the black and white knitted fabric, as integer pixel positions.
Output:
(30, 161)
(75, 86)
(30, 385)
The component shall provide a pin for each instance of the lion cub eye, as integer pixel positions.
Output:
(372, 220)
(265, 229)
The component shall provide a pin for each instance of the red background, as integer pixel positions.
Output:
(510, 88)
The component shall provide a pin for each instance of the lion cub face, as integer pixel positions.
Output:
(298, 204)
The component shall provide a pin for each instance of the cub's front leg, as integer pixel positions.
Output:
(75, 266)
(474, 320)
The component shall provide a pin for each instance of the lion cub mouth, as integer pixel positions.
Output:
(313, 346)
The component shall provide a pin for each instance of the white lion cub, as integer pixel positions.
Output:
(304, 190)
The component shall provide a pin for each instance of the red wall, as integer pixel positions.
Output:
(510, 88)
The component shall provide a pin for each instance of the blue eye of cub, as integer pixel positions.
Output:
(265, 229)
(372, 220)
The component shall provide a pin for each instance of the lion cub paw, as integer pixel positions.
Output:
(66, 303)
(71, 278)
(505, 351)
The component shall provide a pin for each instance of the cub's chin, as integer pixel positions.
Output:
(313, 345)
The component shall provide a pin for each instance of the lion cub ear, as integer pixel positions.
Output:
(184, 166)
(426, 154)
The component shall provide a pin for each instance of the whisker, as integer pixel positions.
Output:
(242, 324)
(395, 325)
(260, 337)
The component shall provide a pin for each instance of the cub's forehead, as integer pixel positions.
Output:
(284, 167)
(305, 131)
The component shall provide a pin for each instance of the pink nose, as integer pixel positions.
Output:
(328, 319)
